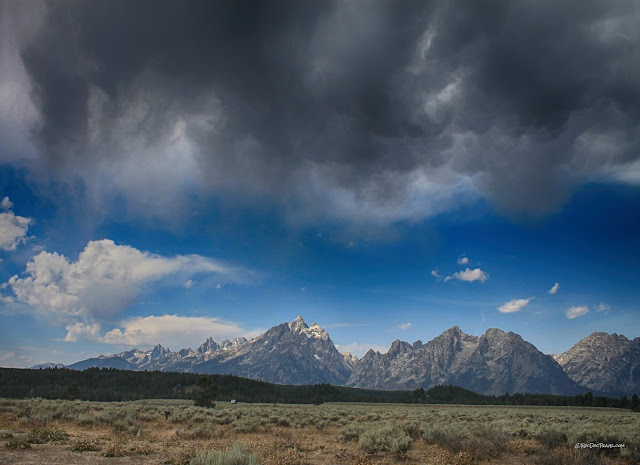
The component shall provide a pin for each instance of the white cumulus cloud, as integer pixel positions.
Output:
(463, 261)
(174, 331)
(514, 305)
(13, 228)
(105, 279)
(602, 307)
(554, 288)
(82, 332)
(469, 275)
(576, 311)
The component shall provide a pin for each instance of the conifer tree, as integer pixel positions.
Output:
(205, 392)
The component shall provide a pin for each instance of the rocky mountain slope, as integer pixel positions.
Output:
(494, 363)
(290, 353)
(131, 360)
(604, 362)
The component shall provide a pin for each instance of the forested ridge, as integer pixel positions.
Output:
(109, 385)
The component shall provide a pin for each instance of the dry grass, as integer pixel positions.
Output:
(354, 434)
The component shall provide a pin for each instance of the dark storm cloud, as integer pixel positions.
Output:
(365, 108)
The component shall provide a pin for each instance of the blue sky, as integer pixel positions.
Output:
(158, 194)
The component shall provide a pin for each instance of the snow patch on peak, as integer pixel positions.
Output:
(315, 331)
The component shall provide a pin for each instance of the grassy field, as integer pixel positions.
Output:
(39, 431)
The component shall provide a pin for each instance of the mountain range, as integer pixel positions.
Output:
(494, 363)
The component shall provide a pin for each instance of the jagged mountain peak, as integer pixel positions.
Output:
(207, 346)
(604, 362)
(237, 342)
(497, 361)
(602, 336)
(157, 352)
(496, 333)
(454, 332)
(298, 324)
(399, 346)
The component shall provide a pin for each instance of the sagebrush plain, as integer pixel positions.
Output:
(38, 431)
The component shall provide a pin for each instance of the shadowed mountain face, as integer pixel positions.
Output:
(494, 363)
(130, 360)
(604, 362)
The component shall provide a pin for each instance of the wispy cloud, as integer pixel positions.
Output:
(361, 348)
(515, 305)
(175, 331)
(602, 307)
(554, 288)
(347, 325)
(463, 261)
(6, 204)
(469, 275)
(576, 311)
(403, 326)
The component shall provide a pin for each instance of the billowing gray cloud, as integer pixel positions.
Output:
(342, 110)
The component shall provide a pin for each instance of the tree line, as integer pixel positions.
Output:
(110, 385)
(457, 395)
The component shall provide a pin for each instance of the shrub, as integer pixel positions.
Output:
(452, 442)
(82, 445)
(247, 425)
(46, 434)
(127, 426)
(551, 439)
(486, 445)
(18, 444)
(351, 432)
(413, 429)
(202, 431)
(235, 455)
(482, 445)
(115, 448)
(387, 438)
